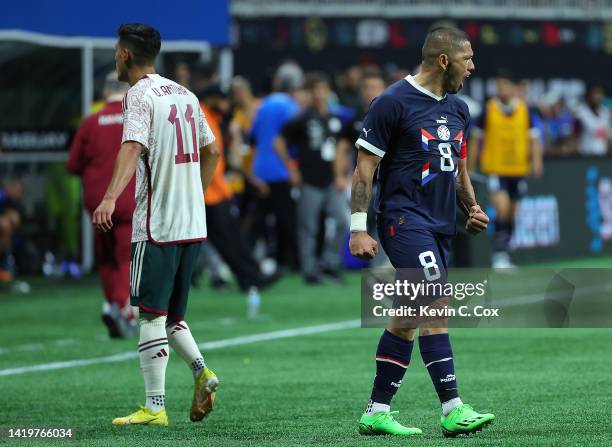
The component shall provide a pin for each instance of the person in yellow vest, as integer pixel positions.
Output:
(510, 151)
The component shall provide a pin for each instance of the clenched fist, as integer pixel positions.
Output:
(362, 245)
(477, 220)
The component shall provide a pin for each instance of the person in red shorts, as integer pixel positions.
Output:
(92, 156)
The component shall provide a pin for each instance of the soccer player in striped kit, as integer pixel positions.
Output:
(167, 142)
(415, 134)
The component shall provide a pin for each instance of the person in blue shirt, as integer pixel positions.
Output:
(414, 135)
(269, 170)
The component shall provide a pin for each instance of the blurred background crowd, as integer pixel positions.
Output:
(285, 94)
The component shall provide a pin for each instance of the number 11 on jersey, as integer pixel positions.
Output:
(173, 118)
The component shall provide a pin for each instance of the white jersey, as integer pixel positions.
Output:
(595, 129)
(167, 120)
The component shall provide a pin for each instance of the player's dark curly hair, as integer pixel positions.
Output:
(142, 40)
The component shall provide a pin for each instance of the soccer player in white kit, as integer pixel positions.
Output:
(167, 142)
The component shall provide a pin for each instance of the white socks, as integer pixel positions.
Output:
(450, 405)
(182, 342)
(155, 403)
(375, 407)
(447, 407)
(153, 352)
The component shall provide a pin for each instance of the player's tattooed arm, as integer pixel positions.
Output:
(361, 191)
(361, 194)
(465, 192)
(360, 242)
(477, 220)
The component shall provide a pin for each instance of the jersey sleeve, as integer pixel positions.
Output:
(378, 125)
(466, 135)
(137, 116)
(206, 134)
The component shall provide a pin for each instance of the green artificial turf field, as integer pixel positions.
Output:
(301, 380)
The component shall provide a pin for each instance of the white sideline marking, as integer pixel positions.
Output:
(31, 347)
(67, 342)
(40, 346)
(218, 344)
(105, 338)
(243, 340)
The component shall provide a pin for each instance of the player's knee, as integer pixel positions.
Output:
(432, 331)
(405, 333)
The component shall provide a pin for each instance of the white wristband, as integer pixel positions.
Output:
(359, 222)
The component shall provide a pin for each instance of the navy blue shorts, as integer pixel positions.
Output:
(418, 256)
(414, 249)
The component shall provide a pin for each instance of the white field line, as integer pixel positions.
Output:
(207, 346)
(40, 346)
(502, 302)
(105, 338)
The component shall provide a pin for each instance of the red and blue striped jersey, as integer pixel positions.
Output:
(421, 137)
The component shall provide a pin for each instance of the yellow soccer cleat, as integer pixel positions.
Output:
(205, 388)
(144, 416)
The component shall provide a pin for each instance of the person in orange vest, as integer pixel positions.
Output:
(223, 227)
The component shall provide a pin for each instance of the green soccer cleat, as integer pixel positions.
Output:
(382, 423)
(463, 420)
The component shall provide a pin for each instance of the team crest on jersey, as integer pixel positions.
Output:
(443, 133)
